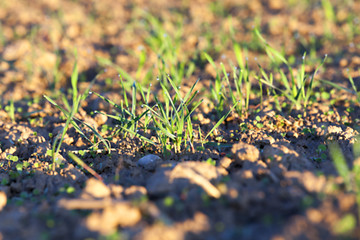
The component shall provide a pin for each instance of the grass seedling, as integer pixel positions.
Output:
(172, 120)
(217, 87)
(222, 119)
(146, 100)
(299, 88)
(69, 114)
(126, 118)
(240, 98)
(243, 77)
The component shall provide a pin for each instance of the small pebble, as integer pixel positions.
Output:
(149, 162)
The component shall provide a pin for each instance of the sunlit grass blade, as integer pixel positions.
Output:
(174, 87)
(133, 102)
(239, 55)
(271, 52)
(357, 93)
(329, 11)
(82, 164)
(157, 115)
(108, 101)
(103, 140)
(220, 121)
(210, 60)
(165, 131)
(167, 94)
(193, 109)
(337, 86)
(163, 112)
(340, 164)
(186, 99)
(74, 81)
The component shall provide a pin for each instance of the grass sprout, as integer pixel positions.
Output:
(299, 87)
(217, 87)
(126, 119)
(240, 93)
(69, 112)
(172, 119)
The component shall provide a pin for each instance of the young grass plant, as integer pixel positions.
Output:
(217, 88)
(69, 114)
(240, 99)
(126, 118)
(172, 120)
(243, 77)
(299, 88)
(241, 95)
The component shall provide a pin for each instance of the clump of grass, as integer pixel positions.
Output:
(127, 120)
(69, 112)
(298, 88)
(217, 87)
(241, 79)
(172, 120)
(351, 177)
(168, 121)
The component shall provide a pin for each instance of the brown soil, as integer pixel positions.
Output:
(270, 179)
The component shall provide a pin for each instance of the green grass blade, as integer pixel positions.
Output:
(210, 60)
(165, 131)
(337, 86)
(190, 92)
(193, 109)
(103, 140)
(108, 101)
(82, 164)
(221, 120)
(133, 103)
(340, 164)
(239, 55)
(329, 10)
(64, 111)
(74, 81)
